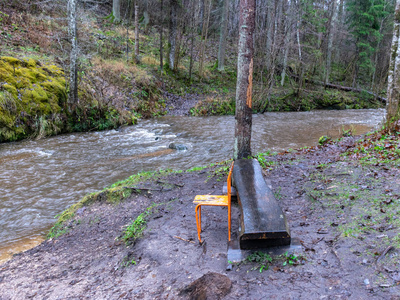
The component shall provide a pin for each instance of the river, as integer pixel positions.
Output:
(41, 178)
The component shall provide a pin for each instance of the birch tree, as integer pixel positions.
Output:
(173, 28)
(244, 82)
(161, 38)
(393, 91)
(117, 10)
(136, 31)
(73, 72)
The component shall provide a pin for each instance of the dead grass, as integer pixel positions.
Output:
(120, 73)
(151, 61)
(121, 31)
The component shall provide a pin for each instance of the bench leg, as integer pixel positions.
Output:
(198, 220)
(229, 222)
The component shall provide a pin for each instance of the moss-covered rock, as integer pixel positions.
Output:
(32, 98)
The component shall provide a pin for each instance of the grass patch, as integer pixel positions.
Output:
(112, 194)
(195, 169)
(141, 177)
(356, 197)
(221, 169)
(376, 148)
(135, 230)
(265, 163)
(127, 261)
(262, 261)
(121, 190)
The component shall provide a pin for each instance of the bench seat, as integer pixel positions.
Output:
(262, 221)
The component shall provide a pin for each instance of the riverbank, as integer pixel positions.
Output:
(340, 199)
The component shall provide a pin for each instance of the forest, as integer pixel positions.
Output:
(96, 64)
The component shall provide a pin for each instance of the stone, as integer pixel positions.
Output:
(178, 147)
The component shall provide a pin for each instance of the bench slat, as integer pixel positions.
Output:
(212, 200)
(263, 223)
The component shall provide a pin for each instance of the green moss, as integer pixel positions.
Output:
(10, 88)
(30, 62)
(35, 96)
(11, 60)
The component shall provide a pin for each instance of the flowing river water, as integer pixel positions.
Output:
(39, 179)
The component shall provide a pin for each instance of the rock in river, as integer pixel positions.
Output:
(177, 146)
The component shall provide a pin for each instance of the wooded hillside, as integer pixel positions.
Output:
(133, 57)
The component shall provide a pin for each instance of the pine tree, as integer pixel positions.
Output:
(364, 20)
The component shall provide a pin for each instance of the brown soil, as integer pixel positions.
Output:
(91, 262)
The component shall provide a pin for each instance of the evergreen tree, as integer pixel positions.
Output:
(364, 20)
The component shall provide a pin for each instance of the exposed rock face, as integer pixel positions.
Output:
(211, 286)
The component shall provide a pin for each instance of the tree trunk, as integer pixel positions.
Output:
(172, 33)
(272, 48)
(131, 9)
(127, 42)
(117, 10)
(270, 33)
(204, 34)
(73, 71)
(288, 31)
(222, 37)
(146, 18)
(393, 91)
(201, 13)
(330, 42)
(340, 23)
(126, 17)
(191, 56)
(339, 87)
(192, 34)
(244, 80)
(161, 38)
(136, 31)
(376, 55)
(301, 68)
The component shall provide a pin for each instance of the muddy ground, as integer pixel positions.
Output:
(177, 105)
(344, 213)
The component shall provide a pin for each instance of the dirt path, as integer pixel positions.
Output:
(177, 105)
(337, 208)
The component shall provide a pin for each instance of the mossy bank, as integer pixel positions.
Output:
(32, 99)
